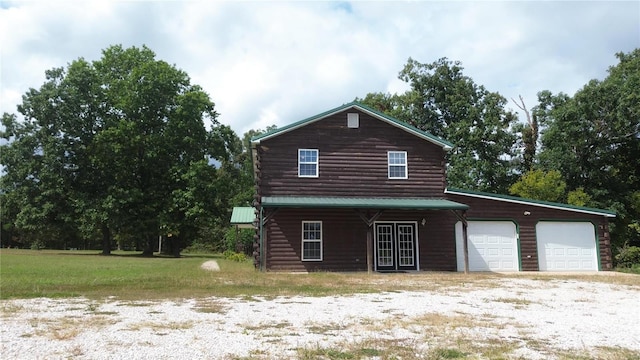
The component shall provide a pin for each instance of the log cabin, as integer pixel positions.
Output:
(352, 189)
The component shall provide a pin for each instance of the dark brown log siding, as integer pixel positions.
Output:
(352, 162)
(487, 209)
(344, 239)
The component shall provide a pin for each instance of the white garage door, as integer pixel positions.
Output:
(492, 245)
(566, 246)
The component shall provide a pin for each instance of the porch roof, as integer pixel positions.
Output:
(361, 203)
(243, 216)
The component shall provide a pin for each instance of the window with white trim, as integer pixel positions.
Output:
(397, 164)
(312, 241)
(307, 163)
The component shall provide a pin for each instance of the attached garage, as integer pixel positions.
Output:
(567, 246)
(492, 246)
(550, 236)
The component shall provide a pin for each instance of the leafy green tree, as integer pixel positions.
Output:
(579, 197)
(447, 103)
(593, 139)
(119, 147)
(540, 185)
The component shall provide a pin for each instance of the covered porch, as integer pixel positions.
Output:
(392, 227)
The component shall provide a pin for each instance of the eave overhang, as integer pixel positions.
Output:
(519, 200)
(360, 203)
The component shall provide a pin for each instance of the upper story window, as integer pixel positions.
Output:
(307, 163)
(397, 163)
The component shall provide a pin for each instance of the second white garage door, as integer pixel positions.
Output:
(566, 246)
(492, 245)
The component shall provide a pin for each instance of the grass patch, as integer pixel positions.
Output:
(210, 306)
(519, 302)
(376, 349)
(265, 326)
(66, 328)
(635, 269)
(324, 328)
(160, 326)
(447, 353)
(126, 276)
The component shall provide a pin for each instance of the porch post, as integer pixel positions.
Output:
(465, 242)
(369, 220)
(370, 249)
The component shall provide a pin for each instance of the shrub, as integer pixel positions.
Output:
(199, 248)
(37, 244)
(628, 256)
(234, 256)
(245, 240)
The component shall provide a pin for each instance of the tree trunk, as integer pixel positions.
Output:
(106, 240)
(148, 246)
(172, 246)
(529, 136)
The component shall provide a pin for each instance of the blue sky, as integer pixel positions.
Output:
(267, 63)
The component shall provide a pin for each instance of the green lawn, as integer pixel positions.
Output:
(126, 275)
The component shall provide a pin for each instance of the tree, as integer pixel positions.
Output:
(593, 139)
(540, 185)
(114, 147)
(530, 134)
(446, 103)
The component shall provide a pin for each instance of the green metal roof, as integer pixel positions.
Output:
(360, 203)
(242, 216)
(381, 116)
(519, 200)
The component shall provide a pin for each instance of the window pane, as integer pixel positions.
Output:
(397, 158)
(308, 156)
(307, 162)
(308, 169)
(397, 171)
(311, 250)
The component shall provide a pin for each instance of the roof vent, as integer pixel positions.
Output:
(353, 120)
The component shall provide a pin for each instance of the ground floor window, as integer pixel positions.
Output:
(312, 240)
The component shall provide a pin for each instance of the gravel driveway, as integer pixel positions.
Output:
(517, 317)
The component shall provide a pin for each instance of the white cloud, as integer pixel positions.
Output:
(279, 62)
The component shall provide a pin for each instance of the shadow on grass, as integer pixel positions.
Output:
(137, 254)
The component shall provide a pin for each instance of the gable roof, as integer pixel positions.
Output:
(519, 200)
(356, 105)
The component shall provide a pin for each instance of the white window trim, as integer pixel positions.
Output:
(309, 162)
(406, 165)
(311, 241)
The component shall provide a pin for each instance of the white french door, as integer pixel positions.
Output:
(396, 247)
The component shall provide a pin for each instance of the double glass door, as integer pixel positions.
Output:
(396, 246)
